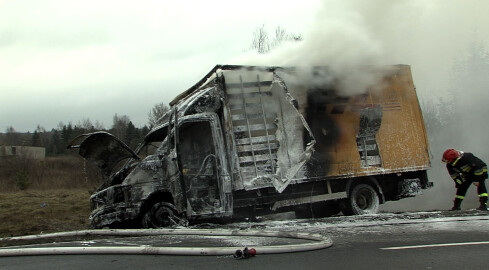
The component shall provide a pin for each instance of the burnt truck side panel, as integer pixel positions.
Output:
(374, 137)
(375, 132)
(270, 138)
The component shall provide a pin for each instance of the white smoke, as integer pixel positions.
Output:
(338, 39)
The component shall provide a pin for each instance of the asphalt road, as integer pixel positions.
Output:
(434, 240)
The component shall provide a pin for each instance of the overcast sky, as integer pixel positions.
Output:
(63, 61)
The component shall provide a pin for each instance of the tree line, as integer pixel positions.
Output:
(57, 139)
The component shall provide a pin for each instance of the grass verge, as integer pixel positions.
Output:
(44, 211)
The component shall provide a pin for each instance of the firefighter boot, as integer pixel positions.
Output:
(456, 204)
(483, 204)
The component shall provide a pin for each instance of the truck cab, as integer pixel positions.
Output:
(167, 180)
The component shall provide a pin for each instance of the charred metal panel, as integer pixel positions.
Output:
(103, 149)
(324, 128)
(267, 129)
(205, 100)
(172, 178)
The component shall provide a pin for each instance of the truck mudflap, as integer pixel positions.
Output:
(273, 140)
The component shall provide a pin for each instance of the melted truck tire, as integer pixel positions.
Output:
(160, 215)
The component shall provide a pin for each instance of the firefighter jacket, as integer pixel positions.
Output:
(467, 167)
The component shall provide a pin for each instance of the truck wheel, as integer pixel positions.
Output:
(160, 215)
(363, 199)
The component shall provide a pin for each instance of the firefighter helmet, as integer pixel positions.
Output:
(450, 155)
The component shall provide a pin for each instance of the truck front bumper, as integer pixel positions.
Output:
(108, 215)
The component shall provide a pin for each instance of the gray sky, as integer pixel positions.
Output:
(63, 61)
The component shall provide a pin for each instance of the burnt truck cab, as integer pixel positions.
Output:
(253, 140)
(168, 179)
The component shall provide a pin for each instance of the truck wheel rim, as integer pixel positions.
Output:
(364, 199)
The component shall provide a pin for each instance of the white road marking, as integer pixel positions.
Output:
(437, 245)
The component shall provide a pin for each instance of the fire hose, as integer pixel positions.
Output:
(316, 241)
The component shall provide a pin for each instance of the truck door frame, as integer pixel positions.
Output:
(223, 177)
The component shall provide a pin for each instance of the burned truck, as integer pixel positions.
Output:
(248, 141)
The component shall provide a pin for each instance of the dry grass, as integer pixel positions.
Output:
(49, 195)
(33, 212)
(64, 172)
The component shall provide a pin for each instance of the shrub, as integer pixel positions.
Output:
(22, 180)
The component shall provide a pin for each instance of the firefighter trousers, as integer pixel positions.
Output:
(481, 187)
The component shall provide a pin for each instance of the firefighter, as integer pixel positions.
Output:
(465, 169)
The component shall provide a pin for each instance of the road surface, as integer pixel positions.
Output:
(426, 240)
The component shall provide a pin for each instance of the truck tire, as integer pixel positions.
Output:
(363, 199)
(160, 215)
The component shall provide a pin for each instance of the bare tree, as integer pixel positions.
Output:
(280, 36)
(262, 42)
(156, 113)
(86, 124)
(98, 125)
